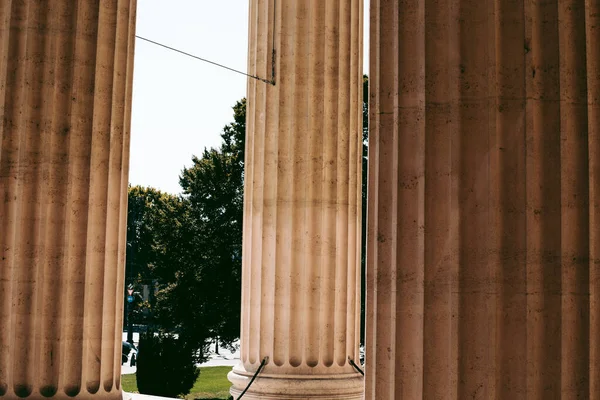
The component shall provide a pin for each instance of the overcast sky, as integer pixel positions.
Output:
(180, 105)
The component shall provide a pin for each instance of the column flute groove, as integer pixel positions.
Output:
(65, 85)
(509, 253)
(302, 220)
(592, 24)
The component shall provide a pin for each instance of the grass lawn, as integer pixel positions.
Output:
(212, 384)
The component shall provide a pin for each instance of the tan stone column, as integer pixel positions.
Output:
(482, 257)
(592, 18)
(301, 297)
(65, 94)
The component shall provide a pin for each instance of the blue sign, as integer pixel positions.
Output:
(130, 299)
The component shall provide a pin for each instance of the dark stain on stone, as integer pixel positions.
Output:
(23, 390)
(72, 390)
(48, 391)
(93, 387)
(108, 385)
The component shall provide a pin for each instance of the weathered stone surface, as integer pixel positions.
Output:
(65, 94)
(483, 244)
(301, 275)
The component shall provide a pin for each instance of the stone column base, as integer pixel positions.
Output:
(293, 387)
(83, 394)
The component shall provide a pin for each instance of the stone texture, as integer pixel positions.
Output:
(65, 94)
(301, 275)
(483, 236)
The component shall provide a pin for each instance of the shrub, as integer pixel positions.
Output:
(166, 366)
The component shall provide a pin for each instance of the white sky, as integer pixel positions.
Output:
(180, 105)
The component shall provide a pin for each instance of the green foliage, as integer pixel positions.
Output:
(213, 188)
(211, 384)
(189, 246)
(166, 366)
(153, 235)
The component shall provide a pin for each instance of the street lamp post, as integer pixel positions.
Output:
(129, 319)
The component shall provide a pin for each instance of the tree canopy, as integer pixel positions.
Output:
(189, 245)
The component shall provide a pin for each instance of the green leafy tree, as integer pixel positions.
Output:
(200, 268)
(213, 185)
(152, 217)
(140, 234)
(153, 223)
(192, 244)
(166, 366)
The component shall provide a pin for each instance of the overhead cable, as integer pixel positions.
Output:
(270, 82)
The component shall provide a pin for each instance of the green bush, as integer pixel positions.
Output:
(166, 366)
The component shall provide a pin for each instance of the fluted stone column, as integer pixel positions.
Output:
(483, 237)
(301, 254)
(65, 94)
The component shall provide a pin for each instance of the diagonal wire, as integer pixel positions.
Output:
(262, 364)
(356, 366)
(271, 82)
